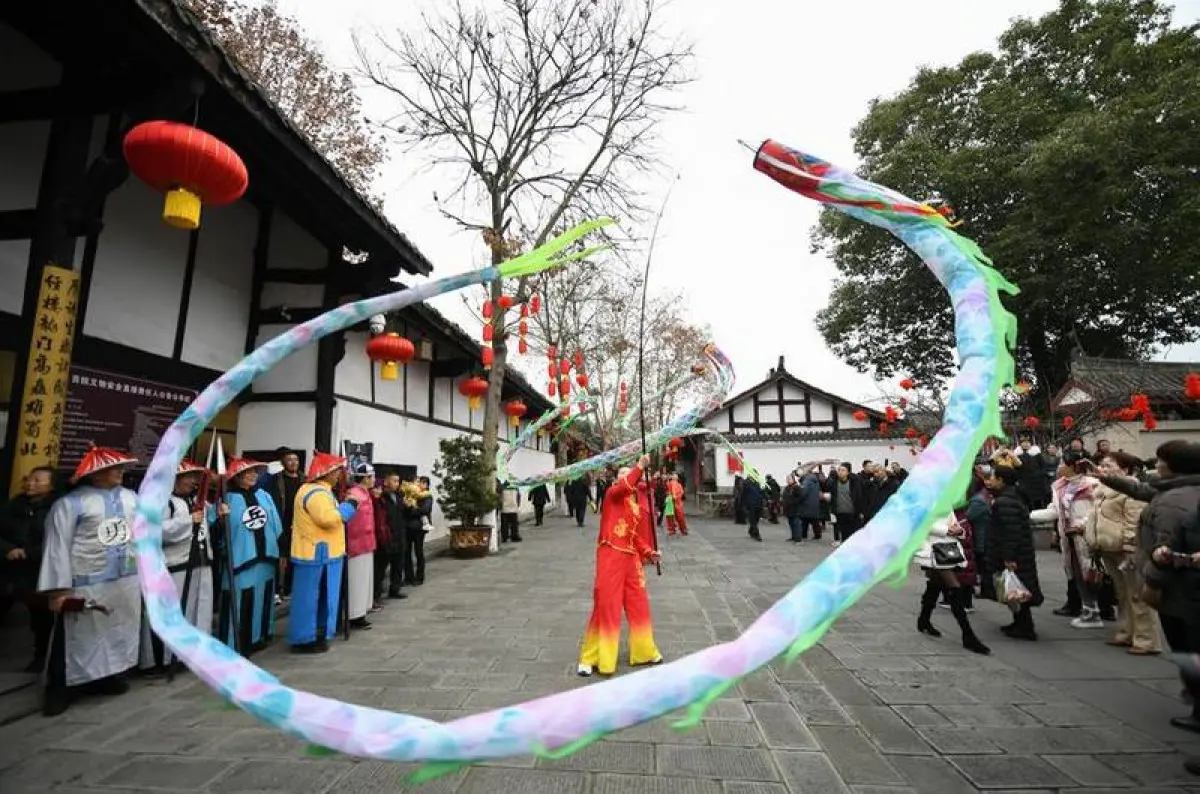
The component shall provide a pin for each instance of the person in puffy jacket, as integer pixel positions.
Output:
(943, 557)
(360, 548)
(1010, 546)
(1111, 531)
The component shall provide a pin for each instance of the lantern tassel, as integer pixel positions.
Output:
(181, 209)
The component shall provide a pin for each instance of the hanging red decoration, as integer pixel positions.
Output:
(487, 357)
(675, 443)
(582, 380)
(1127, 414)
(1149, 422)
(522, 328)
(189, 165)
(890, 415)
(522, 346)
(911, 433)
(488, 332)
(487, 310)
(515, 409)
(1191, 386)
(1068, 422)
(1140, 403)
(923, 441)
(505, 302)
(474, 389)
(535, 304)
(552, 352)
(393, 350)
(906, 384)
(1031, 422)
(578, 359)
(552, 388)
(524, 310)
(552, 370)
(564, 386)
(860, 416)
(564, 366)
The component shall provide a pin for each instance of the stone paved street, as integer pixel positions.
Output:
(876, 708)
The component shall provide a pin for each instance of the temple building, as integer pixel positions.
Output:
(112, 321)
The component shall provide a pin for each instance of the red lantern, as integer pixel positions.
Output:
(911, 433)
(578, 359)
(582, 380)
(906, 384)
(890, 415)
(1140, 403)
(1191, 386)
(675, 444)
(1149, 422)
(487, 310)
(551, 388)
(535, 303)
(1032, 422)
(564, 386)
(564, 366)
(522, 346)
(474, 389)
(487, 356)
(1068, 422)
(393, 350)
(523, 328)
(189, 165)
(505, 302)
(515, 409)
(524, 310)
(488, 332)
(1127, 414)
(552, 352)
(552, 370)
(860, 416)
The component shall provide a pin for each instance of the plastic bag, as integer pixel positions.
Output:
(1012, 591)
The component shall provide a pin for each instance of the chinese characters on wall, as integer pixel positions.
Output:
(47, 373)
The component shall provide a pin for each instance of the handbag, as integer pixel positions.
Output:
(948, 554)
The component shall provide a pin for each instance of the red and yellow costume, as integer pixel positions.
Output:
(675, 517)
(620, 582)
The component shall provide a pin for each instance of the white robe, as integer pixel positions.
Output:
(89, 551)
(360, 585)
(179, 535)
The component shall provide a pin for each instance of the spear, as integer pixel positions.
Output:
(233, 602)
(641, 356)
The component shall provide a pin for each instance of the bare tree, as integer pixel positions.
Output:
(543, 111)
(292, 71)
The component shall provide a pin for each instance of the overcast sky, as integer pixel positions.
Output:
(802, 73)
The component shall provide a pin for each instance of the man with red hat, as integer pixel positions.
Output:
(252, 528)
(90, 580)
(185, 548)
(318, 555)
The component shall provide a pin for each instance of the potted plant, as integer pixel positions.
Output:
(466, 494)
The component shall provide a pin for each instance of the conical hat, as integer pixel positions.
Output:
(99, 459)
(323, 463)
(239, 465)
(188, 467)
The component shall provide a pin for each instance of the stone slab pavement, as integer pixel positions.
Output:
(874, 708)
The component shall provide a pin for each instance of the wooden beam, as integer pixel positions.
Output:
(18, 224)
(327, 359)
(262, 246)
(185, 297)
(450, 367)
(281, 397)
(296, 275)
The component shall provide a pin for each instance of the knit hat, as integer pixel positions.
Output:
(324, 463)
(239, 465)
(100, 458)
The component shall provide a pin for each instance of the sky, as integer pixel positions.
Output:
(735, 242)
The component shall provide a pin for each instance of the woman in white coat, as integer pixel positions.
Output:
(940, 557)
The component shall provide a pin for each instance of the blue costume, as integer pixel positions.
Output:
(254, 525)
(318, 557)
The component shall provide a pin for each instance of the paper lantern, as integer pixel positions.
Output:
(488, 332)
(505, 302)
(487, 310)
(564, 386)
(487, 357)
(552, 352)
(552, 388)
(393, 350)
(582, 380)
(522, 346)
(564, 366)
(515, 409)
(189, 165)
(675, 444)
(523, 328)
(1068, 422)
(1032, 422)
(860, 416)
(474, 389)
(906, 384)
(1191, 386)
(578, 359)
(889, 415)
(535, 304)
(552, 370)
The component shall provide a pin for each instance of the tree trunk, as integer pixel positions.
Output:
(491, 404)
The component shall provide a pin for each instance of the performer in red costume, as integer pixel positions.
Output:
(620, 580)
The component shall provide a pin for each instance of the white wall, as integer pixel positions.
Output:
(274, 425)
(1131, 437)
(403, 441)
(219, 307)
(14, 265)
(137, 279)
(780, 459)
(297, 372)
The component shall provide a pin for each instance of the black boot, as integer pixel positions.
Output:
(55, 700)
(969, 640)
(928, 601)
(1022, 628)
(1074, 606)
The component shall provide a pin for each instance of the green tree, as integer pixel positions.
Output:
(1072, 155)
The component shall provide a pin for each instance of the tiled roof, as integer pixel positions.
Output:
(1111, 378)
(780, 373)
